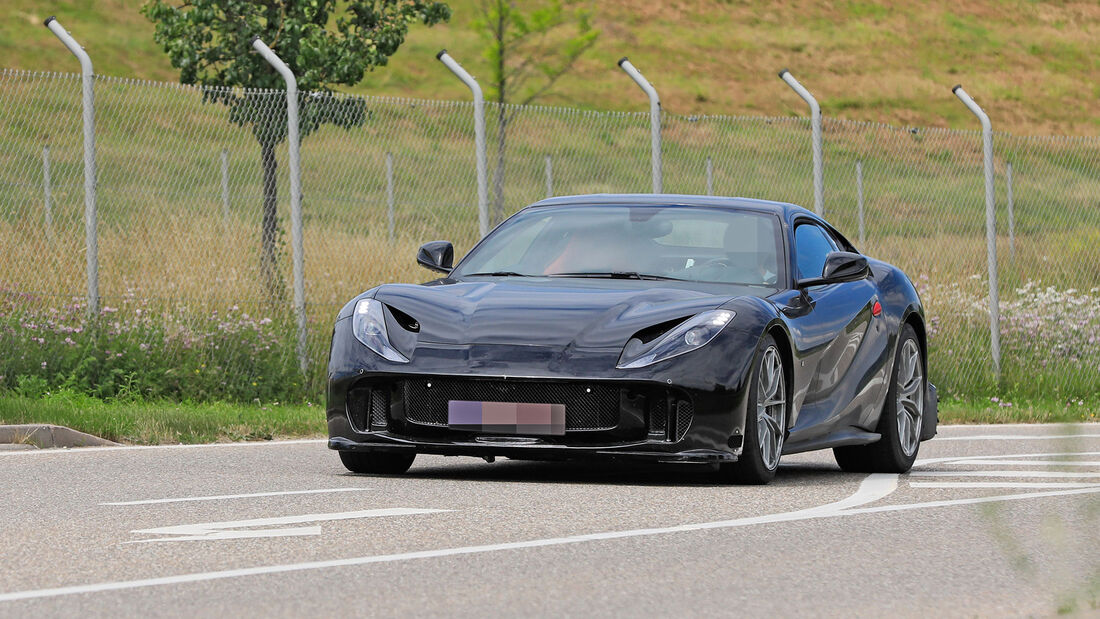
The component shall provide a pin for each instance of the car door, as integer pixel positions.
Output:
(829, 332)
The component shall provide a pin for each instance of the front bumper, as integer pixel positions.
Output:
(605, 419)
(691, 409)
(534, 450)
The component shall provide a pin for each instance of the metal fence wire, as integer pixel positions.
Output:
(182, 192)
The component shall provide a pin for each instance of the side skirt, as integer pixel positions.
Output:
(840, 438)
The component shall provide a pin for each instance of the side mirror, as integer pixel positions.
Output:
(840, 266)
(437, 256)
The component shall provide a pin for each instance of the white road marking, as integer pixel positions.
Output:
(87, 450)
(872, 488)
(1062, 474)
(1002, 484)
(929, 461)
(1001, 426)
(1036, 462)
(232, 496)
(225, 530)
(1013, 437)
(971, 501)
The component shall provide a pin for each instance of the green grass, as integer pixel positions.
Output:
(164, 243)
(139, 422)
(878, 60)
(157, 423)
(1020, 411)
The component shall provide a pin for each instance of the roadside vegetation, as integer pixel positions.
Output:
(184, 318)
(1026, 62)
(162, 422)
(999, 410)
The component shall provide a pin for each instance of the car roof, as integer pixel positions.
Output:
(783, 209)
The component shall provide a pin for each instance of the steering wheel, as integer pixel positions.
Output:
(715, 262)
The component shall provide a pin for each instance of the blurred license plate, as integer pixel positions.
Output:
(506, 417)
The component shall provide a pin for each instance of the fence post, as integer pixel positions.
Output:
(815, 125)
(389, 191)
(654, 121)
(859, 198)
(91, 236)
(1011, 217)
(990, 228)
(47, 191)
(710, 177)
(293, 144)
(479, 137)
(549, 177)
(225, 186)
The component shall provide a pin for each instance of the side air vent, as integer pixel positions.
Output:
(368, 409)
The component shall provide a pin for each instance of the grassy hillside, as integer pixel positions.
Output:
(1035, 66)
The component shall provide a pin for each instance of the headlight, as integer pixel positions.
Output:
(687, 336)
(368, 323)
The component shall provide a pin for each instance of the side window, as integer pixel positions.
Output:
(811, 246)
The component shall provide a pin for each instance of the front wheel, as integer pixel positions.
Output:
(902, 416)
(766, 419)
(382, 462)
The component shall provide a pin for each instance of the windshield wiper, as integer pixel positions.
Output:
(617, 275)
(498, 274)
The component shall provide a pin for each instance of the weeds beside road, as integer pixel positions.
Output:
(163, 422)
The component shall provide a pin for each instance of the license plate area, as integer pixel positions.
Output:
(507, 417)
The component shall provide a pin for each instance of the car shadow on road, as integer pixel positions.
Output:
(620, 473)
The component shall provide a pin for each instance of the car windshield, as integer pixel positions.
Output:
(698, 244)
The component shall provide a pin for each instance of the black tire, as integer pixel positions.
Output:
(757, 464)
(378, 462)
(888, 454)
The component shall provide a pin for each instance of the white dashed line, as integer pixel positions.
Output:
(1014, 437)
(943, 460)
(233, 496)
(1047, 474)
(1035, 462)
(1001, 484)
(224, 530)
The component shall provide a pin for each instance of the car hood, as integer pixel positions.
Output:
(544, 312)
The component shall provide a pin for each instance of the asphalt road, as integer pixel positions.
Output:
(994, 521)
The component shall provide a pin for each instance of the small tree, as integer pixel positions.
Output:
(324, 42)
(528, 52)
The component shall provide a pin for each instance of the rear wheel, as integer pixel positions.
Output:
(902, 416)
(766, 421)
(377, 462)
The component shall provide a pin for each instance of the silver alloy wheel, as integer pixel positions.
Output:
(910, 394)
(771, 407)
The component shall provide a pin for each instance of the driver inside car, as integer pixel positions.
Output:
(747, 264)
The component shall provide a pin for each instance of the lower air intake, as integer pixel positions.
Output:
(587, 406)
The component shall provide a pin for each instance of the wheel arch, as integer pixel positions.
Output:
(786, 352)
(914, 319)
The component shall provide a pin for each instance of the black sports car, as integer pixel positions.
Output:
(673, 328)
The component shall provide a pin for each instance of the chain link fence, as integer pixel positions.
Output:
(190, 308)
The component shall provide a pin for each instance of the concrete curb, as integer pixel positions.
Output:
(46, 436)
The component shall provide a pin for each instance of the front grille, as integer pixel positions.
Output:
(587, 406)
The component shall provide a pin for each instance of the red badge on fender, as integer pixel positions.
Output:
(876, 309)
